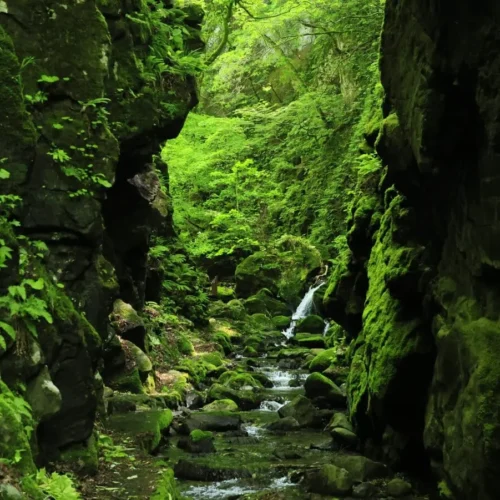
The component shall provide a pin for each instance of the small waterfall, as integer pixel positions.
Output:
(302, 311)
(327, 326)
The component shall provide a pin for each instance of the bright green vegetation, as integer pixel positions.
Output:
(272, 148)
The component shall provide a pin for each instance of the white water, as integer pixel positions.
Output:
(231, 488)
(302, 311)
(327, 326)
(270, 406)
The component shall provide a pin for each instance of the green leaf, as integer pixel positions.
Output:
(4, 174)
(48, 79)
(9, 330)
(36, 285)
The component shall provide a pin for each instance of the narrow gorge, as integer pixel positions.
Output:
(247, 249)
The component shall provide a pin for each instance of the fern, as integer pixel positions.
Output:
(57, 486)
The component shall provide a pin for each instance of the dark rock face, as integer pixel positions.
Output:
(82, 117)
(425, 382)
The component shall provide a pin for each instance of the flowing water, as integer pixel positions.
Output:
(304, 309)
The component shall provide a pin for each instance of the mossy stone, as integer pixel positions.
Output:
(246, 400)
(148, 428)
(330, 480)
(129, 381)
(318, 386)
(260, 270)
(221, 405)
(323, 361)
(308, 340)
(310, 324)
(167, 487)
(83, 458)
(281, 322)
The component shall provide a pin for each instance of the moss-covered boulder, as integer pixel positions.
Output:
(233, 309)
(310, 324)
(225, 294)
(285, 424)
(148, 428)
(323, 361)
(318, 387)
(198, 442)
(261, 322)
(224, 405)
(310, 341)
(128, 381)
(301, 409)
(128, 324)
(83, 458)
(329, 480)
(240, 380)
(260, 270)
(246, 400)
(216, 422)
(255, 305)
(360, 468)
(167, 487)
(281, 322)
(195, 471)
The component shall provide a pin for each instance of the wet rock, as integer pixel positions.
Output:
(139, 357)
(263, 379)
(281, 322)
(301, 409)
(210, 422)
(283, 425)
(364, 490)
(361, 468)
(246, 400)
(295, 383)
(398, 488)
(128, 324)
(309, 341)
(318, 386)
(221, 405)
(311, 324)
(198, 442)
(323, 360)
(326, 445)
(43, 396)
(194, 400)
(329, 480)
(337, 374)
(344, 438)
(321, 418)
(193, 471)
(340, 420)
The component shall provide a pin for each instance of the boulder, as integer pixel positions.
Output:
(337, 374)
(218, 422)
(329, 480)
(246, 400)
(281, 322)
(148, 428)
(232, 310)
(128, 324)
(198, 442)
(285, 424)
(221, 405)
(323, 361)
(43, 396)
(10, 492)
(301, 409)
(318, 386)
(310, 341)
(344, 438)
(398, 488)
(141, 360)
(310, 324)
(359, 467)
(255, 305)
(194, 471)
(364, 490)
(340, 420)
(259, 270)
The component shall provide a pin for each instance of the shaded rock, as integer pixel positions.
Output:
(194, 471)
(318, 386)
(281, 322)
(82, 458)
(364, 490)
(287, 454)
(310, 341)
(310, 324)
(283, 425)
(128, 324)
(246, 400)
(43, 396)
(234, 309)
(219, 422)
(329, 480)
(398, 488)
(260, 270)
(340, 420)
(221, 405)
(141, 360)
(337, 374)
(344, 438)
(255, 305)
(323, 360)
(10, 492)
(361, 468)
(148, 428)
(198, 442)
(301, 409)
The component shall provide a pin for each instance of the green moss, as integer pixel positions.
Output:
(184, 345)
(128, 382)
(198, 435)
(147, 427)
(82, 458)
(261, 322)
(226, 405)
(234, 309)
(224, 341)
(15, 422)
(260, 270)
(213, 358)
(281, 322)
(237, 380)
(311, 324)
(226, 294)
(255, 304)
(167, 488)
(323, 361)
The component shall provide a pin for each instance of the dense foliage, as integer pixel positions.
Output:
(273, 145)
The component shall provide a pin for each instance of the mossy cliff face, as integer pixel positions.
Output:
(84, 112)
(424, 373)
